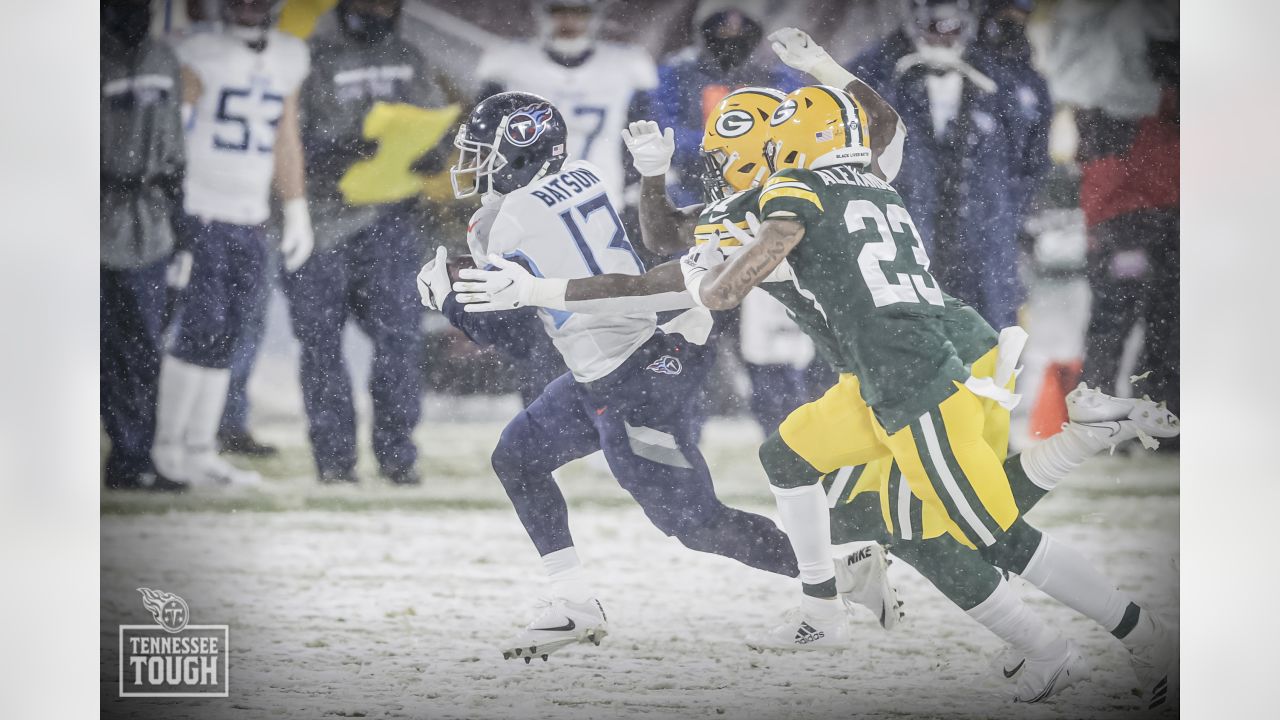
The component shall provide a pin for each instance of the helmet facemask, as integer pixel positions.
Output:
(478, 161)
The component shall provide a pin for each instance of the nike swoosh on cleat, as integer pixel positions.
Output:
(1111, 427)
(563, 628)
(1010, 673)
(1048, 689)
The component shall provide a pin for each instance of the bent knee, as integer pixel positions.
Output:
(785, 468)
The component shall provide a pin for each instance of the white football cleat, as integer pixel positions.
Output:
(1155, 662)
(862, 578)
(1039, 680)
(798, 632)
(207, 469)
(1118, 419)
(559, 623)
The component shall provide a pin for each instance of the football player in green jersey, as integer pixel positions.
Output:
(855, 257)
(963, 576)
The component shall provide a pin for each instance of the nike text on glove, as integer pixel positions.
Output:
(650, 149)
(433, 280)
(795, 48)
(296, 242)
(696, 264)
(506, 286)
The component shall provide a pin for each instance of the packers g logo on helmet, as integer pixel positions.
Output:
(817, 126)
(735, 123)
(784, 112)
(733, 141)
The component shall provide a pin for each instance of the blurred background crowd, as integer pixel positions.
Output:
(274, 174)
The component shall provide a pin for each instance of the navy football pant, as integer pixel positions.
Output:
(370, 279)
(131, 306)
(217, 304)
(639, 416)
(235, 414)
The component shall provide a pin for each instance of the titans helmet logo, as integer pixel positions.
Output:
(527, 124)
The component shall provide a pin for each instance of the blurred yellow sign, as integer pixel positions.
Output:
(404, 134)
(299, 17)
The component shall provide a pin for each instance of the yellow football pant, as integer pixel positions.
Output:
(943, 474)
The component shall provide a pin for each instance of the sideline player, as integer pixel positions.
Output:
(240, 93)
(627, 378)
(597, 86)
(1044, 467)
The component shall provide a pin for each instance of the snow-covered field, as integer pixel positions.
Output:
(379, 601)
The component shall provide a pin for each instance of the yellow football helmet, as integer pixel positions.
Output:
(817, 126)
(733, 141)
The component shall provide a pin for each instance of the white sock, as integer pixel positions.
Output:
(823, 609)
(206, 412)
(807, 522)
(1047, 463)
(1006, 616)
(177, 393)
(1066, 576)
(568, 579)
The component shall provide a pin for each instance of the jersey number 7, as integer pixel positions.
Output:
(908, 287)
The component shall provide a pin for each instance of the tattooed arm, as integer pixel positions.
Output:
(728, 283)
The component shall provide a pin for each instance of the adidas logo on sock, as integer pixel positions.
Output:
(807, 634)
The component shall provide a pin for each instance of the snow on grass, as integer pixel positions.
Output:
(378, 601)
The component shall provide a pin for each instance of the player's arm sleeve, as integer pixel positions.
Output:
(790, 195)
(657, 290)
(507, 331)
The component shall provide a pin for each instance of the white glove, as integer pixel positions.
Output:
(697, 263)
(433, 280)
(650, 149)
(297, 242)
(507, 287)
(795, 48)
(748, 236)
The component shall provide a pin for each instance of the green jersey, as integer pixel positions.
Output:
(780, 285)
(971, 336)
(862, 266)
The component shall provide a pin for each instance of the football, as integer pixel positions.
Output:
(457, 263)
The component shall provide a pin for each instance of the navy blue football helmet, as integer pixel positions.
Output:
(510, 140)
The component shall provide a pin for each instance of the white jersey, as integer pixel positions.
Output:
(593, 97)
(566, 226)
(232, 131)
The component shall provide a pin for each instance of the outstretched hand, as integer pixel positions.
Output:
(650, 149)
(506, 286)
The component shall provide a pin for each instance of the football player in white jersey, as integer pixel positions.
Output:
(598, 86)
(630, 381)
(240, 99)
